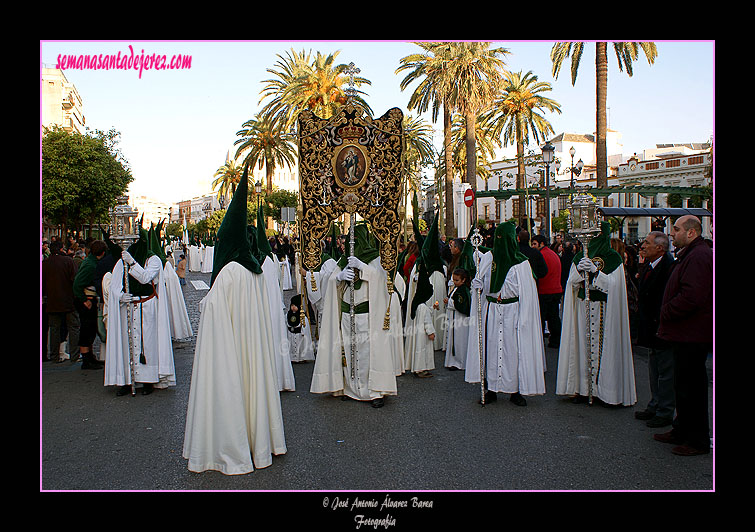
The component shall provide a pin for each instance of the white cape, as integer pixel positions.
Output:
(512, 333)
(418, 351)
(286, 282)
(615, 381)
(457, 335)
(151, 328)
(234, 421)
(180, 326)
(376, 376)
(284, 371)
(208, 253)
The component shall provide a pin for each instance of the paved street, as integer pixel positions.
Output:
(432, 436)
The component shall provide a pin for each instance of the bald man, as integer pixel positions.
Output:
(686, 322)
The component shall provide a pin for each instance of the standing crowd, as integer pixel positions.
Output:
(490, 310)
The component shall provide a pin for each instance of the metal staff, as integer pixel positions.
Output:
(590, 369)
(476, 241)
(129, 320)
(352, 221)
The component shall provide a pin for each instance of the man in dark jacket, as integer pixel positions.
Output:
(537, 262)
(687, 322)
(58, 272)
(653, 275)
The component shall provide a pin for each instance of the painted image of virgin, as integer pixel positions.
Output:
(352, 167)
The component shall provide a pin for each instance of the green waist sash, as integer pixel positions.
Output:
(361, 308)
(595, 295)
(492, 299)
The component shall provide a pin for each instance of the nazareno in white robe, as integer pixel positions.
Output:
(284, 370)
(316, 294)
(419, 353)
(457, 335)
(512, 333)
(286, 282)
(180, 325)
(615, 380)
(195, 259)
(374, 370)
(150, 326)
(396, 325)
(438, 281)
(234, 421)
(208, 253)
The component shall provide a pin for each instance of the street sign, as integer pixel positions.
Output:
(288, 214)
(469, 197)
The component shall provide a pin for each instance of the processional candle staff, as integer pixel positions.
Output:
(583, 224)
(476, 241)
(124, 232)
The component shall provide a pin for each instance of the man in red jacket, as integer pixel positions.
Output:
(687, 322)
(549, 290)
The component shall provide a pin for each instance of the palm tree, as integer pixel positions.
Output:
(419, 151)
(433, 90)
(227, 177)
(626, 54)
(464, 77)
(266, 145)
(304, 83)
(514, 115)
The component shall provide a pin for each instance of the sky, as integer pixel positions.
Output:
(177, 126)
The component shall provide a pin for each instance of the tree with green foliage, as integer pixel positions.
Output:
(82, 176)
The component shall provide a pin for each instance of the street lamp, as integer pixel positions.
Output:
(548, 150)
(257, 190)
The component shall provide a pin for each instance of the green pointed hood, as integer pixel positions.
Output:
(430, 251)
(505, 254)
(141, 251)
(154, 243)
(424, 289)
(233, 244)
(262, 243)
(364, 248)
(600, 246)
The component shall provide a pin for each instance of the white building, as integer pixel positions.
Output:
(678, 168)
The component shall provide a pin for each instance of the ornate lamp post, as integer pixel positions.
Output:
(124, 232)
(583, 224)
(548, 150)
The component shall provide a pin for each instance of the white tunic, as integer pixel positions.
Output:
(150, 328)
(316, 291)
(180, 325)
(374, 372)
(284, 371)
(286, 282)
(234, 421)
(512, 333)
(457, 335)
(615, 380)
(419, 353)
(208, 253)
(195, 259)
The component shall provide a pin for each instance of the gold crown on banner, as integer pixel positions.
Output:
(351, 131)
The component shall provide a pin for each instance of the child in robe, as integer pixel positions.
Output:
(457, 320)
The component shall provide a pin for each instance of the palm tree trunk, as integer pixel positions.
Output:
(470, 123)
(521, 171)
(601, 90)
(269, 179)
(450, 229)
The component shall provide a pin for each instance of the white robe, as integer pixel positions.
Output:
(396, 326)
(180, 325)
(316, 293)
(457, 335)
(615, 382)
(301, 344)
(150, 327)
(438, 280)
(208, 253)
(195, 259)
(286, 283)
(284, 371)
(234, 421)
(374, 370)
(418, 351)
(512, 333)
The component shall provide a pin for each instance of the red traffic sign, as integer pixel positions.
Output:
(469, 197)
